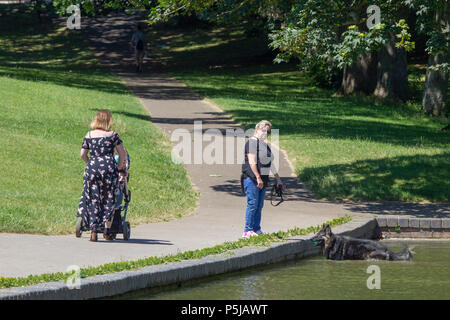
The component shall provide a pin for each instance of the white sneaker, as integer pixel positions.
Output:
(248, 234)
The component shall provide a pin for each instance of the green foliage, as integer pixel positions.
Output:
(433, 21)
(404, 36)
(324, 75)
(318, 31)
(98, 7)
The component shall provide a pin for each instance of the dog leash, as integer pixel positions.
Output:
(276, 191)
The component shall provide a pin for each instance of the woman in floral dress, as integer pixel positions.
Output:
(101, 175)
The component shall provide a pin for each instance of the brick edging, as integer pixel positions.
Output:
(401, 227)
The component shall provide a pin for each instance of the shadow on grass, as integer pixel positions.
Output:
(48, 52)
(314, 113)
(405, 178)
(333, 127)
(133, 115)
(212, 48)
(418, 210)
(373, 180)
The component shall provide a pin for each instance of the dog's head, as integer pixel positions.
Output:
(323, 237)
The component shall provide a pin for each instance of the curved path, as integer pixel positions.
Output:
(219, 216)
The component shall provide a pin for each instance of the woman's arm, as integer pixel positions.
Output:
(84, 154)
(275, 173)
(254, 167)
(122, 156)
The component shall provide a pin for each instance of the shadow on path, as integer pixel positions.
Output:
(419, 210)
(142, 241)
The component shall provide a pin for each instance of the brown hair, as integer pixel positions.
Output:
(103, 120)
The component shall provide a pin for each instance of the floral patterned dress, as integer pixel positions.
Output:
(101, 178)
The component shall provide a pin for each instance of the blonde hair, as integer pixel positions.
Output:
(262, 124)
(103, 120)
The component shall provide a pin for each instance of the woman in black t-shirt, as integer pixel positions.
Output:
(255, 171)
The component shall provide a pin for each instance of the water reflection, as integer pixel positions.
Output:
(251, 287)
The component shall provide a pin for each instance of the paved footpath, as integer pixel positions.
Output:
(219, 216)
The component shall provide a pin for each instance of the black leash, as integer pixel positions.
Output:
(277, 191)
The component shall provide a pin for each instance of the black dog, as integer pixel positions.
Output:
(337, 247)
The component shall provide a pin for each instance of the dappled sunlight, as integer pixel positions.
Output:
(50, 53)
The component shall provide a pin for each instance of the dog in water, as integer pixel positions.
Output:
(337, 247)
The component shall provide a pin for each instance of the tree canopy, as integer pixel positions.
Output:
(328, 35)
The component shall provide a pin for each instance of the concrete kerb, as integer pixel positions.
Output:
(172, 273)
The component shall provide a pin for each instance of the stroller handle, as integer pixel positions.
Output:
(126, 193)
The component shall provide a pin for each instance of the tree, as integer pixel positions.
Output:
(434, 21)
(336, 32)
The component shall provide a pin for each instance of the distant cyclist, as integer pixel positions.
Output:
(139, 43)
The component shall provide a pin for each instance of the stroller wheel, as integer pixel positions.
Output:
(78, 230)
(126, 230)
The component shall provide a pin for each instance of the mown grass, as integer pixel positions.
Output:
(261, 240)
(51, 86)
(342, 147)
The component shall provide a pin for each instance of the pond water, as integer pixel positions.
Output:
(426, 277)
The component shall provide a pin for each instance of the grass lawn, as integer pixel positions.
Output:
(342, 147)
(51, 87)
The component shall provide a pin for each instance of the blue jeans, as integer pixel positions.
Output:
(255, 203)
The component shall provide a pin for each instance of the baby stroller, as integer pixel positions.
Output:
(123, 198)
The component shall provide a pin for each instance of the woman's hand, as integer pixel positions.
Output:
(122, 167)
(279, 182)
(260, 183)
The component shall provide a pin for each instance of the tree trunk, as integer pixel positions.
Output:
(361, 76)
(392, 74)
(435, 91)
(434, 100)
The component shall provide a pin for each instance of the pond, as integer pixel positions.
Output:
(426, 277)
